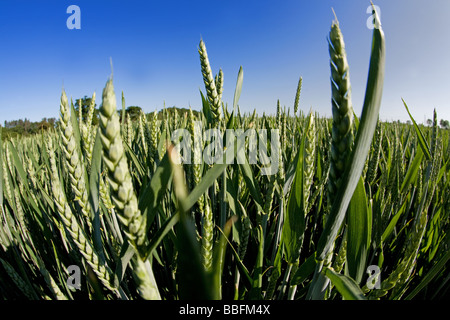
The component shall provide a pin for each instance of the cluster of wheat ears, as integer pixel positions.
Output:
(358, 208)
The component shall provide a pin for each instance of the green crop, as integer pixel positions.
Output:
(349, 195)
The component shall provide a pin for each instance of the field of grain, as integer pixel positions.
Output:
(314, 208)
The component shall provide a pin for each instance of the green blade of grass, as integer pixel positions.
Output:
(251, 184)
(126, 253)
(123, 111)
(367, 125)
(305, 270)
(346, 286)
(237, 91)
(434, 271)
(207, 181)
(422, 142)
(166, 227)
(151, 196)
(193, 281)
(390, 228)
(219, 259)
(294, 219)
(136, 163)
(241, 267)
(359, 221)
(411, 174)
(255, 291)
(290, 174)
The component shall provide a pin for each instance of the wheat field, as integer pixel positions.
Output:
(308, 207)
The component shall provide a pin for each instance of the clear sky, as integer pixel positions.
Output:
(153, 46)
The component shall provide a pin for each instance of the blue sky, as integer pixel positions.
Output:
(153, 46)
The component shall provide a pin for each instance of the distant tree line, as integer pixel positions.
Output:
(135, 111)
(26, 127)
(445, 124)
